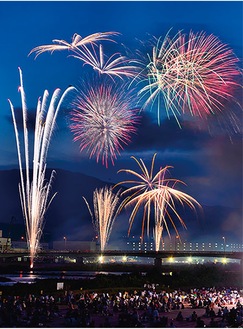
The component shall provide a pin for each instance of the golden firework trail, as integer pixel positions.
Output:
(34, 193)
(105, 212)
(158, 231)
(154, 192)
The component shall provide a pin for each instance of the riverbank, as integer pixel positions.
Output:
(100, 276)
(149, 307)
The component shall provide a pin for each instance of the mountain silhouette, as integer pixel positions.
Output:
(68, 214)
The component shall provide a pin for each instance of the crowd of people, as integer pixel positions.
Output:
(147, 308)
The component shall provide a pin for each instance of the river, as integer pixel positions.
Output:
(31, 276)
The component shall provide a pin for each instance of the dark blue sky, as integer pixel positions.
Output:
(210, 163)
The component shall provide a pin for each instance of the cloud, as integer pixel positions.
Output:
(19, 119)
(232, 223)
(168, 135)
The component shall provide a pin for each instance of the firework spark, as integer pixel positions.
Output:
(195, 75)
(159, 219)
(157, 193)
(104, 120)
(105, 213)
(158, 231)
(90, 53)
(77, 41)
(34, 195)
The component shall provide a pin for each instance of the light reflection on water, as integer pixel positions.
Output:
(31, 276)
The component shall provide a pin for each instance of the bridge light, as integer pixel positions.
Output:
(189, 259)
(124, 258)
(224, 260)
(101, 259)
(171, 259)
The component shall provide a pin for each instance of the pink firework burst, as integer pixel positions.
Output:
(103, 120)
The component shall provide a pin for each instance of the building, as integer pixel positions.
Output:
(5, 243)
(136, 244)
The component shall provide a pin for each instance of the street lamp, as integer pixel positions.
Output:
(189, 259)
(124, 258)
(171, 259)
(224, 243)
(65, 242)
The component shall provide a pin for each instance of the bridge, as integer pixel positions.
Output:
(156, 255)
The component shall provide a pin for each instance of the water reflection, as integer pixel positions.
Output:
(31, 276)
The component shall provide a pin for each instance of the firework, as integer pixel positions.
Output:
(104, 120)
(160, 206)
(137, 194)
(158, 230)
(34, 194)
(195, 75)
(77, 41)
(91, 53)
(157, 193)
(105, 213)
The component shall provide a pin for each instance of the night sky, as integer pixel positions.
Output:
(207, 157)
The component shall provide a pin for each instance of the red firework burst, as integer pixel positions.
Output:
(196, 74)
